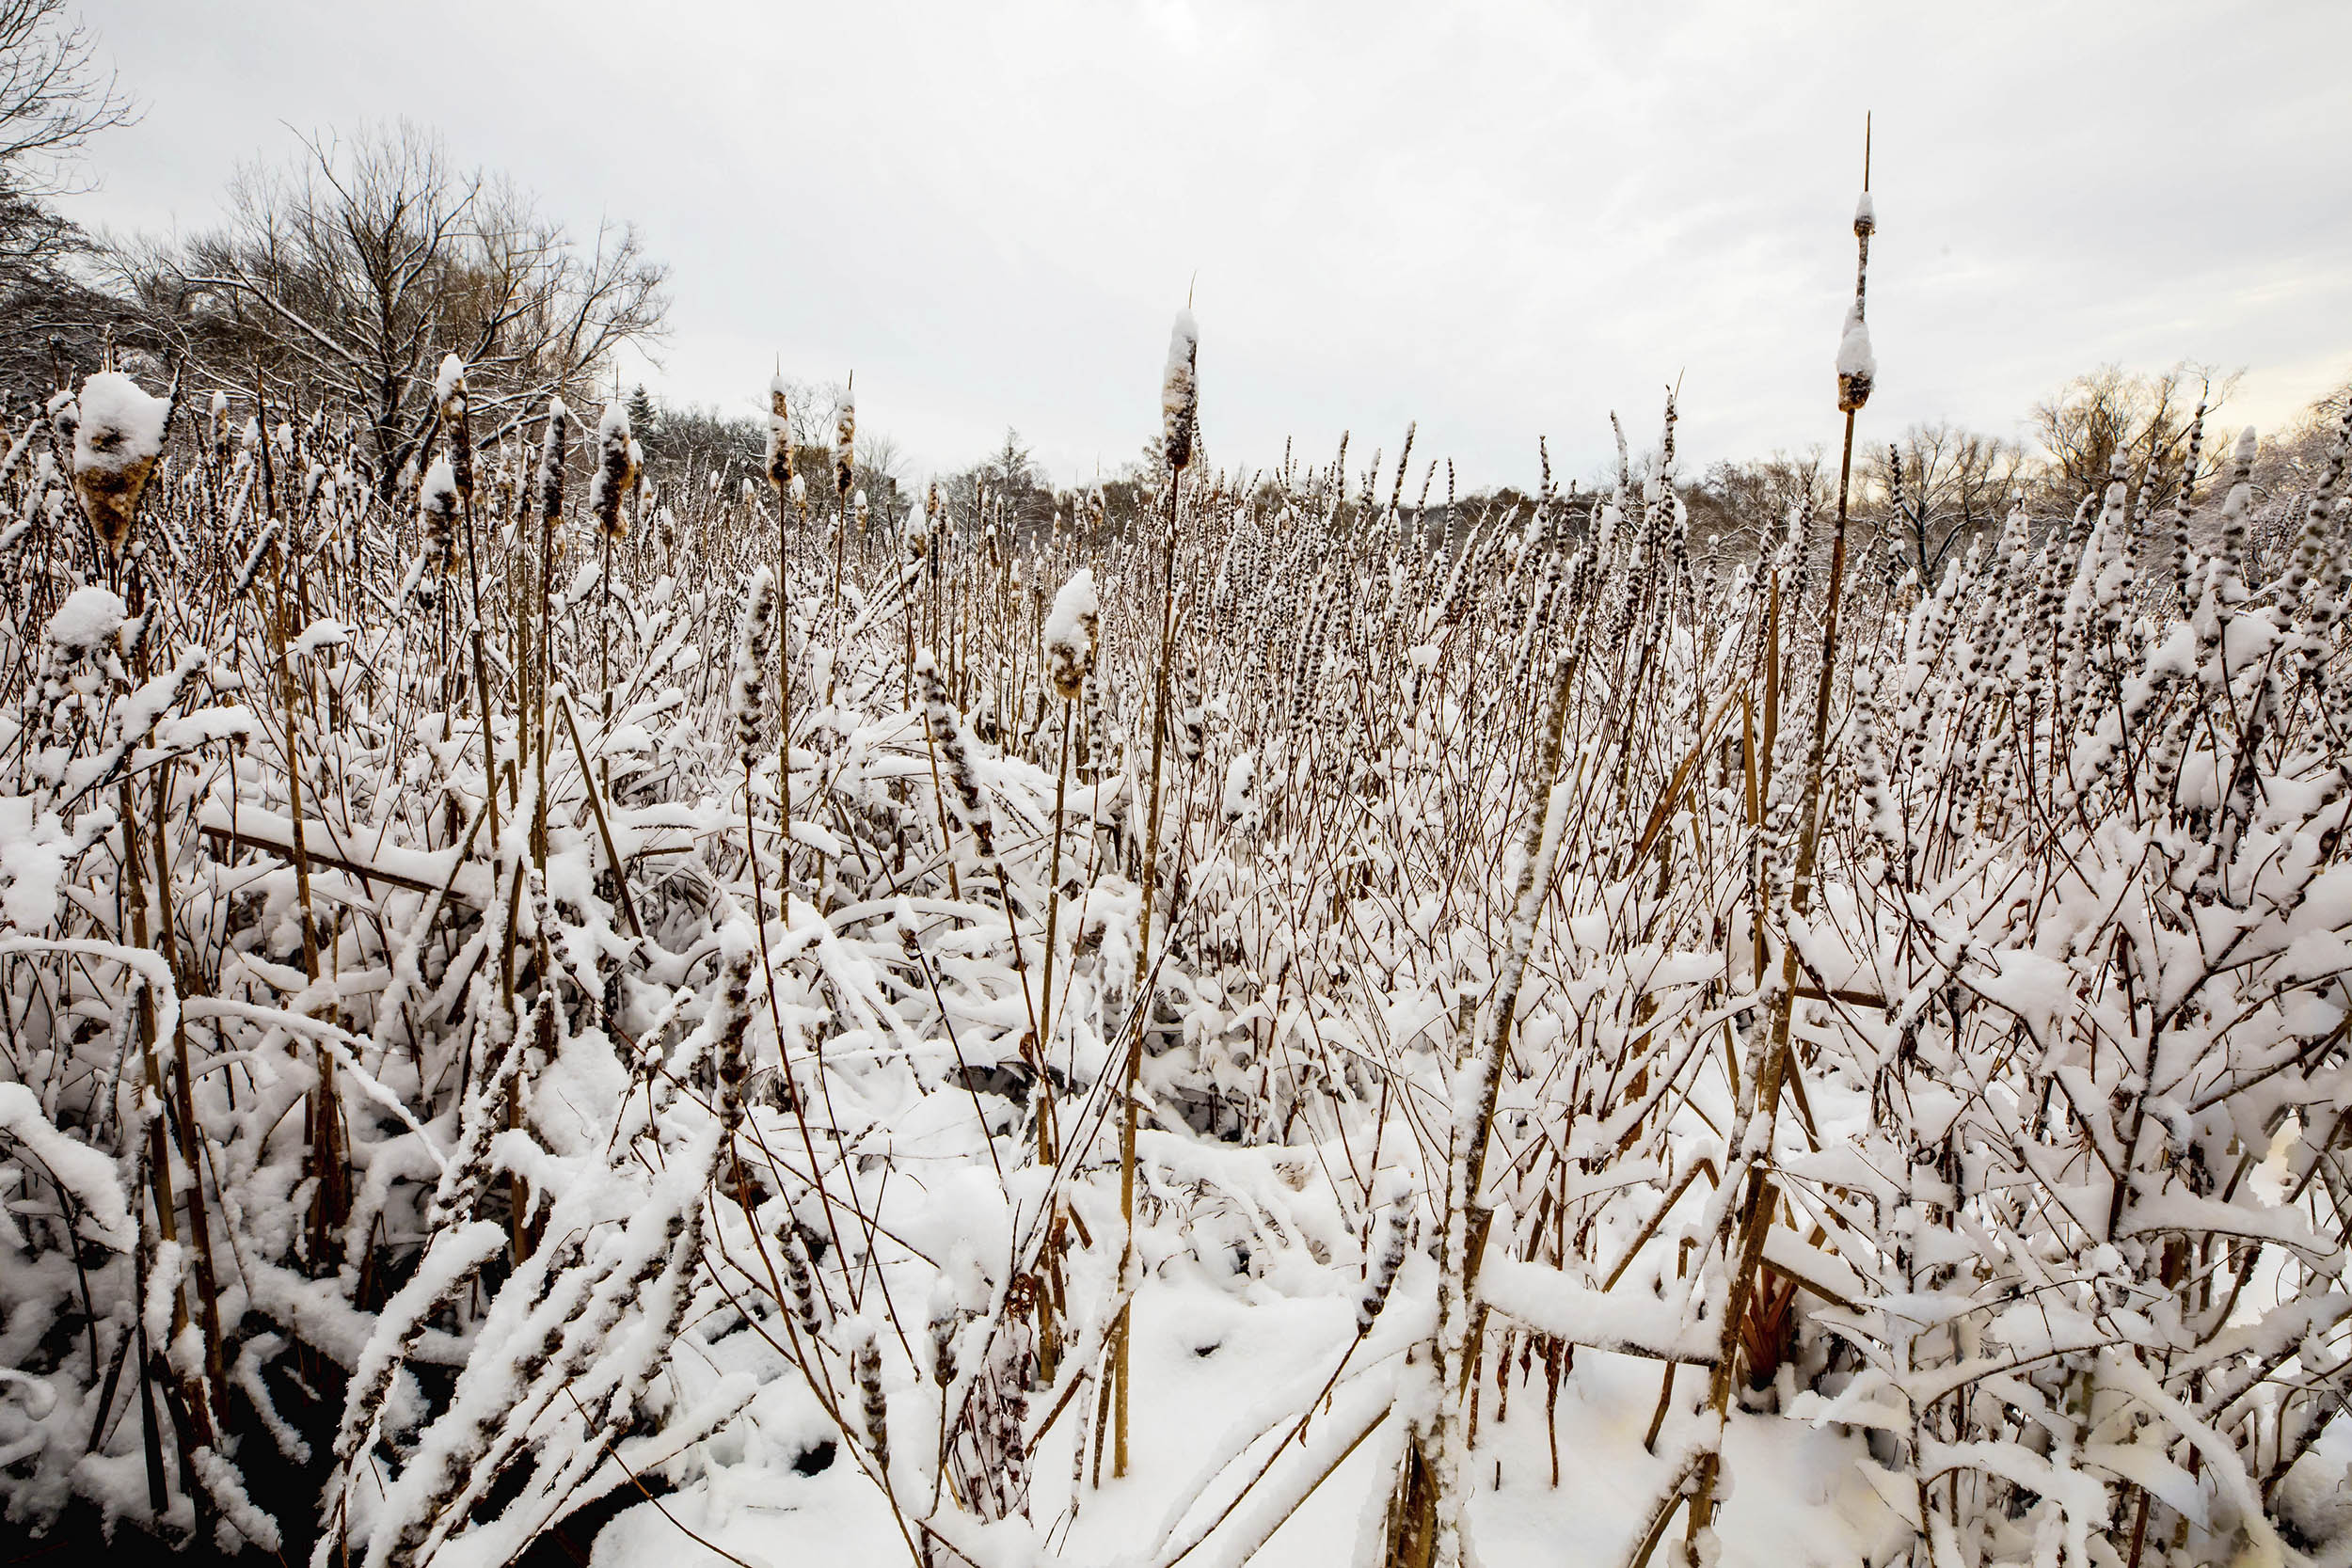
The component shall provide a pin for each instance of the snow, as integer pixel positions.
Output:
(1070, 632)
(121, 429)
(88, 619)
(448, 379)
(1853, 347)
(75, 1166)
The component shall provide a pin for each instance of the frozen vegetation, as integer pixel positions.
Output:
(1278, 1021)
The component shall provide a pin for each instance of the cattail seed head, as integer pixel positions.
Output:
(1180, 392)
(617, 470)
(867, 1365)
(117, 436)
(779, 460)
(550, 476)
(845, 446)
(1071, 632)
(436, 513)
(754, 651)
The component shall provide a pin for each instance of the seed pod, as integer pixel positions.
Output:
(450, 386)
(1180, 393)
(866, 1364)
(802, 1284)
(437, 513)
(551, 477)
(1381, 1277)
(845, 446)
(1071, 632)
(779, 461)
(754, 651)
(617, 470)
(117, 436)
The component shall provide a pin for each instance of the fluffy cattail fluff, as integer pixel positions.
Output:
(1380, 1276)
(845, 446)
(866, 1363)
(779, 439)
(617, 470)
(755, 650)
(117, 436)
(1069, 633)
(1180, 392)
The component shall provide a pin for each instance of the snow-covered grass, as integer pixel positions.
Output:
(509, 1002)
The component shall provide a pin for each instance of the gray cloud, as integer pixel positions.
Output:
(1497, 218)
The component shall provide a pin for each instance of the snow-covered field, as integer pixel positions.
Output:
(1277, 1023)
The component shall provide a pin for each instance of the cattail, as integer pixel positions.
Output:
(1381, 1276)
(845, 446)
(802, 1284)
(437, 511)
(779, 460)
(551, 477)
(968, 803)
(617, 470)
(219, 431)
(1856, 369)
(866, 1365)
(1180, 393)
(943, 1338)
(1070, 634)
(754, 652)
(117, 436)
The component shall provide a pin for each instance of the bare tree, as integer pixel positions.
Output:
(54, 96)
(349, 274)
(1944, 487)
(1748, 503)
(2111, 413)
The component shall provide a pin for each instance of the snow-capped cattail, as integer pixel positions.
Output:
(550, 476)
(779, 459)
(437, 514)
(969, 805)
(802, 1284)
(1857, 371)
(117, 436)
(218, 432)
(754, 651)
(1069, 633)
(1180, 392)
(617, 470)
(2183, 508)
(866, 1363)
(943, 1337)
(65, 415)
(1380, 1276)
(735, 1016)
(845, 446)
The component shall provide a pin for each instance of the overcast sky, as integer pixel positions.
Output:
(1499, 220)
